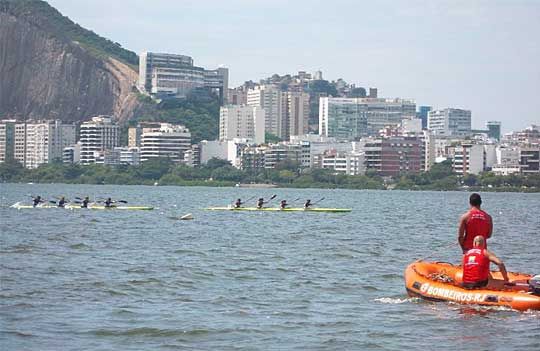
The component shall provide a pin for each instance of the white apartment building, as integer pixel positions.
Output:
(98, 135)
(120, 156)
(411, 126)
(469, 159)
(450, 122)
(274, 103)
(430, 152)
(229, 150)
(353, 118)
(246, 122)
(348, 163)
(162, 74)
(34, 143)
(166, 141)
(72, 153)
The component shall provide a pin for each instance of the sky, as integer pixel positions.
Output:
(477, 55)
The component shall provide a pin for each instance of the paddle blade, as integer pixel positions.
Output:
(122, 201)
(273, 197)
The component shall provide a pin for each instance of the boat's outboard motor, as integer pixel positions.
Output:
(534, 283)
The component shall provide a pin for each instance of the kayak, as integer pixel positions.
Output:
(90, 207)
(440, 281)
(291, 209)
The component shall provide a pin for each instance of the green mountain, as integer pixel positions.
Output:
(41, 14)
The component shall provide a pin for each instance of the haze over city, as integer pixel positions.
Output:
(475, 55)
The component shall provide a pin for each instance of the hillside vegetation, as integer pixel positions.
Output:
(199, 112)
(41, 14)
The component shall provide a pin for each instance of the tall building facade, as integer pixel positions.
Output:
(469, 159)
(163, 75)
(166, 141)
(494, 130)
(7, 140)
(34, 143)
(97, 136)
(353, 118)
(342, 118)
(450, 122)
(274, 103)
(242, 122)
(422, 113)
(297, 118)
(393, 156)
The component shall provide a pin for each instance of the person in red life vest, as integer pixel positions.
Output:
(474, 222)
(476, 265)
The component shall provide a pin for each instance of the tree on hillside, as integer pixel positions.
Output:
(215, 163)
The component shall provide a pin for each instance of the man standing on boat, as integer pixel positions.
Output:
(476, 265)
(473, 223)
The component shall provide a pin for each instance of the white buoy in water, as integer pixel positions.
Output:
(187, 217)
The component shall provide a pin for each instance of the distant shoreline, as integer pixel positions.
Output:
(224, 184)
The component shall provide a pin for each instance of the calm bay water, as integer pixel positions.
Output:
(114, 280)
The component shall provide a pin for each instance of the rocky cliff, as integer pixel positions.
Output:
(46, 74)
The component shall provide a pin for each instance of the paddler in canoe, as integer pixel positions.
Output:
(109, 203)
(85, 202)
(307, 204)
(62, 202)
(238, 203)
(473, 223)
(283, 204)
(476, 265)
(261, 202)
(37, 200)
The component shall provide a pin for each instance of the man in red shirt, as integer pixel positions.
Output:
(474, 222)
(476, 265)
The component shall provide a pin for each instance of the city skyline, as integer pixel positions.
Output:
(469, 55)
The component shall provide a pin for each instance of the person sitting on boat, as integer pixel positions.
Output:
(260, 203)
(307, 204)
(37, 200)
(108, 203)
(476, 265)
(283, 204)
(474, 222)
(62, 202)
(238, 203)
(85, 202)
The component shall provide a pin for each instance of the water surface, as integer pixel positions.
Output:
(111, 280)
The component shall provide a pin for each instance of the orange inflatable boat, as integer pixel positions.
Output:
(440, 281)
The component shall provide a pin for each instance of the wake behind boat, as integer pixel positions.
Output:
(276, 209)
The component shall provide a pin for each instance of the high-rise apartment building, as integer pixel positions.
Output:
(352, 118)
(237, 96)
(469, 159)
(175, 75)
(392, 156)
(36, 142)
(422, 113)
(166, 141)
(297, 118)
(494, 130)
(98, 135)
(45, 141)
(242, 122)
(450, 122)
(274, 103)
(342, 118)
(7, 140)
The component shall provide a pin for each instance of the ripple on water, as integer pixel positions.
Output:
(249, 281)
